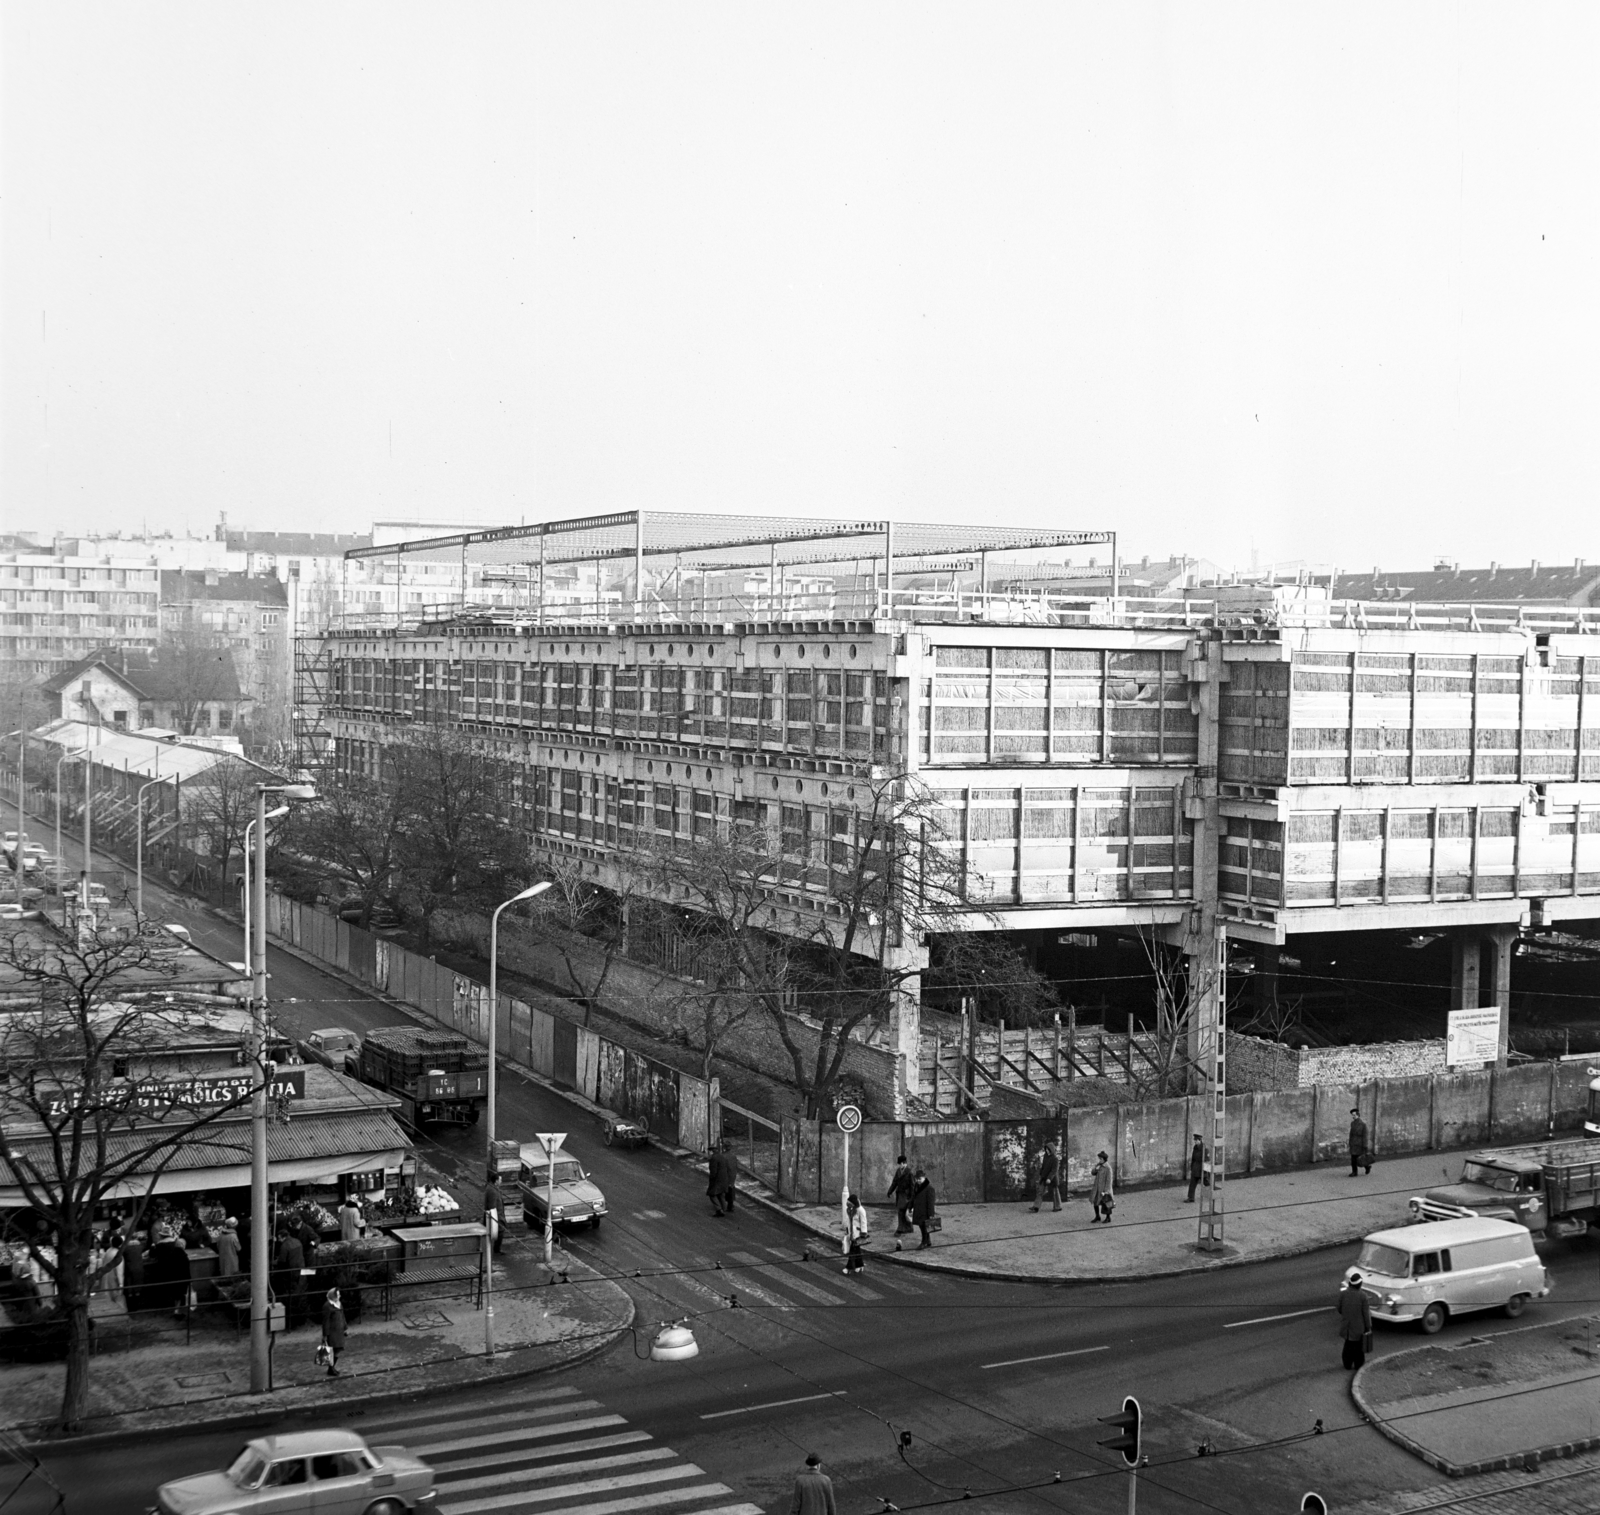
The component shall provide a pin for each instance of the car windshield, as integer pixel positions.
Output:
(246, 1469)
(1377, 1258)
(566, 1173)
(1490, 1176)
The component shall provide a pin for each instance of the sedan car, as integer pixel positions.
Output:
(576, 1198)
(329, 1472)
(334, 1047)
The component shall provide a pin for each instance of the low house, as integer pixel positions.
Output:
(129, 689)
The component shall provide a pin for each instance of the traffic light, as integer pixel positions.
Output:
(1313, 1504)
(1127, 1424)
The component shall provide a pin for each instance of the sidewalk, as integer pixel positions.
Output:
(432, 1344)
(1154, 1233)
(1479, 1406)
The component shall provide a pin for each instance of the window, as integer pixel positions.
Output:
(281, 1474)
(339, 1465)
(1426, 1263)
(119, 717)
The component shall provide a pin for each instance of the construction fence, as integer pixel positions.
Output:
(677, 1106)
(990, 1161)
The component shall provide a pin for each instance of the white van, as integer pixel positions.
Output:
(1429, 1272)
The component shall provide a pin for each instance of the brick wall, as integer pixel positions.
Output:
(1258, 1066)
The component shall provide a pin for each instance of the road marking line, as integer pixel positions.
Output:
(503, 1477)
(601, 1485)
(532, 1455)
(1262, 1320)
(786, 1278)
(506, 1439)
(440, 1418)
(776, 1404)
(1016, 1362)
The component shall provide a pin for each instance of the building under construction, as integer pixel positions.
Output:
(1259, 762)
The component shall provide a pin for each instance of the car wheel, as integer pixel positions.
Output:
(1433, 1319)
(594, 1222)
(386, 1507)
(1516, 1305)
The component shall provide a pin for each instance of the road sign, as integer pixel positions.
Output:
(849, 1118)
(550, 1140)
(1473, 1036)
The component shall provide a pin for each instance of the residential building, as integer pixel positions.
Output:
(246, 612)
(130, 689)
(57, 609)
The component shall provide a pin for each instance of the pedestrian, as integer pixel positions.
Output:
(1355, 1322)
(854, 1219)
(1049, 1178)
(228, 1251)
(900, 1194)
(333, 1330)
(494, 1213)
(1360, 1152)
(813, 1490)
(133, 1286)
(1197, 1166)
(716, 1167)
(730, 1176)
(288, 1278)
(922, 1211)
(166, 1273)
(350, 1221)
(1100, 1195)
(308, 1240)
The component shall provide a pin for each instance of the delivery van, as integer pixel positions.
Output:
(1426, 1273)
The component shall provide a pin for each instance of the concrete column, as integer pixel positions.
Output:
(1466, 968)
(905, 1018)
(1202, 811)
(1265, 986)
(1500, 943)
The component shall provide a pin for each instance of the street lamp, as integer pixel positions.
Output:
(138, 845)
(247, 881)
(66, 757)
(22, 753)
(260, 1324)
(531, 892)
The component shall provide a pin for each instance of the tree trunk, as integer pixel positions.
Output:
(75, 1393)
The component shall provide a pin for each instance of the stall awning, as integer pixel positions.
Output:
(310, 1148)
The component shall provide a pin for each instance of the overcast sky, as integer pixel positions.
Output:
(1311, 281)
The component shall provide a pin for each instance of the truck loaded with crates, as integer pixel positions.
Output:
(439, 1077)
(1552, 1188)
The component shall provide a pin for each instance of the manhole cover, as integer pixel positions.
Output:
(203, 1380)
(427, 1320)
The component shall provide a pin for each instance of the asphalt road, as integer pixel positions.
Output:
(999, 1385)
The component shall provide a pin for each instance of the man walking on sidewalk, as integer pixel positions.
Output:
(922, 1207)
(1197, 1167)
(900, 1195)
(1355, 1322)
(716, 1180)
(813, 1490)
(1049, 1178)
(730, 1176)
(1360, 1152)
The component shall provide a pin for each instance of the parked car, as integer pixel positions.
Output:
(576, 1197)
(1423, 1274)
(336, 1048)
(306, 1471)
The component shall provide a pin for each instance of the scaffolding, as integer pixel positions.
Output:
(313, 665)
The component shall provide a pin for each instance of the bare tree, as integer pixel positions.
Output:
(218, 805)
(81, 1125)
(589, 925)
(196, 666)
(351, 836)
(889, 880)
(989, 970)
(1176, 1000)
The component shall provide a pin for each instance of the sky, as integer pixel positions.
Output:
(1250, 282)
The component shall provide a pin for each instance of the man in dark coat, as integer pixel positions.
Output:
(1197, 1166)
(730, 1176)
(716, 1170)
(333, 1329)
(1360, 1152)
(494, 1212)
(813, 1491)
(900, 1194)
(288, 1281)
(133, 1285)
(1049, 1178)
(1355, 1322)
(922, 1207)
(166, 1272)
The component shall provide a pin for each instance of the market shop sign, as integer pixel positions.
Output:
(231, 1089)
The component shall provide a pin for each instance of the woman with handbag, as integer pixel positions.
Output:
(855, 1232)
(332, 1333)
(1101, 1196)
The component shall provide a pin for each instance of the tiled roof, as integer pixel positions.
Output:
(142, 671)
(181, 585)
(1565, 584)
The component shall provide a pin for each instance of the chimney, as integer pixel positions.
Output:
(211, 578)
(1536, 565)
(1577, 563)
(1494, 568)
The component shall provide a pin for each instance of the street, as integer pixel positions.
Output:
(998, 1384)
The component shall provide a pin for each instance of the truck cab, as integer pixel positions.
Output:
(1506, 1185)
(1591, 1115)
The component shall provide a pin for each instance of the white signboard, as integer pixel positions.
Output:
(1473, 1037)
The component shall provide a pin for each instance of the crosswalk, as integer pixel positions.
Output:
(558, 1453)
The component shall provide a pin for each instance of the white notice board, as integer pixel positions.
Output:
(1473, 1037)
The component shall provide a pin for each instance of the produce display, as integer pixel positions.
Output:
(312, 1214)
(432, 1201)
(410, 1201)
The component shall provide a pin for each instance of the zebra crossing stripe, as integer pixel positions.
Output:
(787, 1278)
(600, 1486)
(534, 1454)
(500, 1438)
(436, 1417)
(451, 1485)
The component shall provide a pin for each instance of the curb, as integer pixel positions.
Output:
(267, 1414)
(1526, 1460)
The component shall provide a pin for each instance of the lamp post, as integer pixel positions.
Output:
(65, 757)
(138, 845)
(21, 735)
(532, 892)
(260, 1323)
(248, 881)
